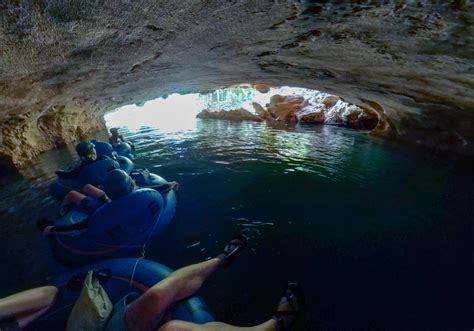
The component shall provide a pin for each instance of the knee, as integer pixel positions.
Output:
(87, 188)
(70, 194)
(48, 293)
(177, 326)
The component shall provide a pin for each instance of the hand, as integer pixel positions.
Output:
(174, 186)
(48, 230)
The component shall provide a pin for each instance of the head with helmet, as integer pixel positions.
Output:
(86, 151)
(118, 184)
(114, 131)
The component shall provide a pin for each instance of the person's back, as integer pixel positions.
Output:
(94, 172)
(87, 155)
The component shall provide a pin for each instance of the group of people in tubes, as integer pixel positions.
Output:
(146, 311)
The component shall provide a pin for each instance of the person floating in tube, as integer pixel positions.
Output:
(117, 138)
(145, 312)
(88, 156)
(117, 184)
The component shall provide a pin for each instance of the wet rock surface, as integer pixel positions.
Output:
(316, 109)
(232, 115)
(410, 63)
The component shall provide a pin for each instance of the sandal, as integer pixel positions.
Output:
(235, 245)
(289, 308)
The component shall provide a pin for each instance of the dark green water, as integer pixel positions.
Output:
(378, 234)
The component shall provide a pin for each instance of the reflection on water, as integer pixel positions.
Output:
(378, 234)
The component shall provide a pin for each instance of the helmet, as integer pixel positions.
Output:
(117, 184)
(112, 130)
(103, 148)
(84, 148)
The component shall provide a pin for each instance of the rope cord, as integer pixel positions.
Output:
(150, 234)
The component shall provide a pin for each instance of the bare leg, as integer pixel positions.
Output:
(73, 197)
(289, 308)
(146, 312)
(93, 191)
(28, 305)
(269, 325)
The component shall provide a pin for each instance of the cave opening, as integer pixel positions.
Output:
(245, 102)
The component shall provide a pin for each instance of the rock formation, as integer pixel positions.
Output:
(321, 109)
(232, 115)
(63, 64)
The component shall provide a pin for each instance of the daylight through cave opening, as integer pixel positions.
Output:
(292, 105)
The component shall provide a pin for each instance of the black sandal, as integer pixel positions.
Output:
(235, 245)
(292, 296)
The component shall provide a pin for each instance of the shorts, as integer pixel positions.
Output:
(89, 205)
(117, 320)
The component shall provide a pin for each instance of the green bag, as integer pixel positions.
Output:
(93, 308)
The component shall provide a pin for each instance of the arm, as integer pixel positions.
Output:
(95, 192)
(58, 229)
(163, 188)
(69, 173)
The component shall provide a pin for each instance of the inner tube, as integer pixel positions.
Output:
(125, 163)
(126, 275)
(118, 228)
(144, 178)
(123, 149)
(61, 186)
(93, 173)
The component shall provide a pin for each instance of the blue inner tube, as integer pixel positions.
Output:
(119, 228)
(93, 173)
(123, 149)
(146, 274)
(125, 163)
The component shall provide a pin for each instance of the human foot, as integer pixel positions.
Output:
(235, 245)
(289, 308)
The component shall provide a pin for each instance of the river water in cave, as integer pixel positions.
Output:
(378, 234)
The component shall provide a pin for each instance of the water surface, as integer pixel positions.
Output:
(378, 234)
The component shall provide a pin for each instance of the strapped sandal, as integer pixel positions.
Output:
(235, 245)
(289, 308)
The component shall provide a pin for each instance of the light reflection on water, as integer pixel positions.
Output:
(367, 227)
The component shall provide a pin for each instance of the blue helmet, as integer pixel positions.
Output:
(84, 148)
(103, 148)
(117, 184)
